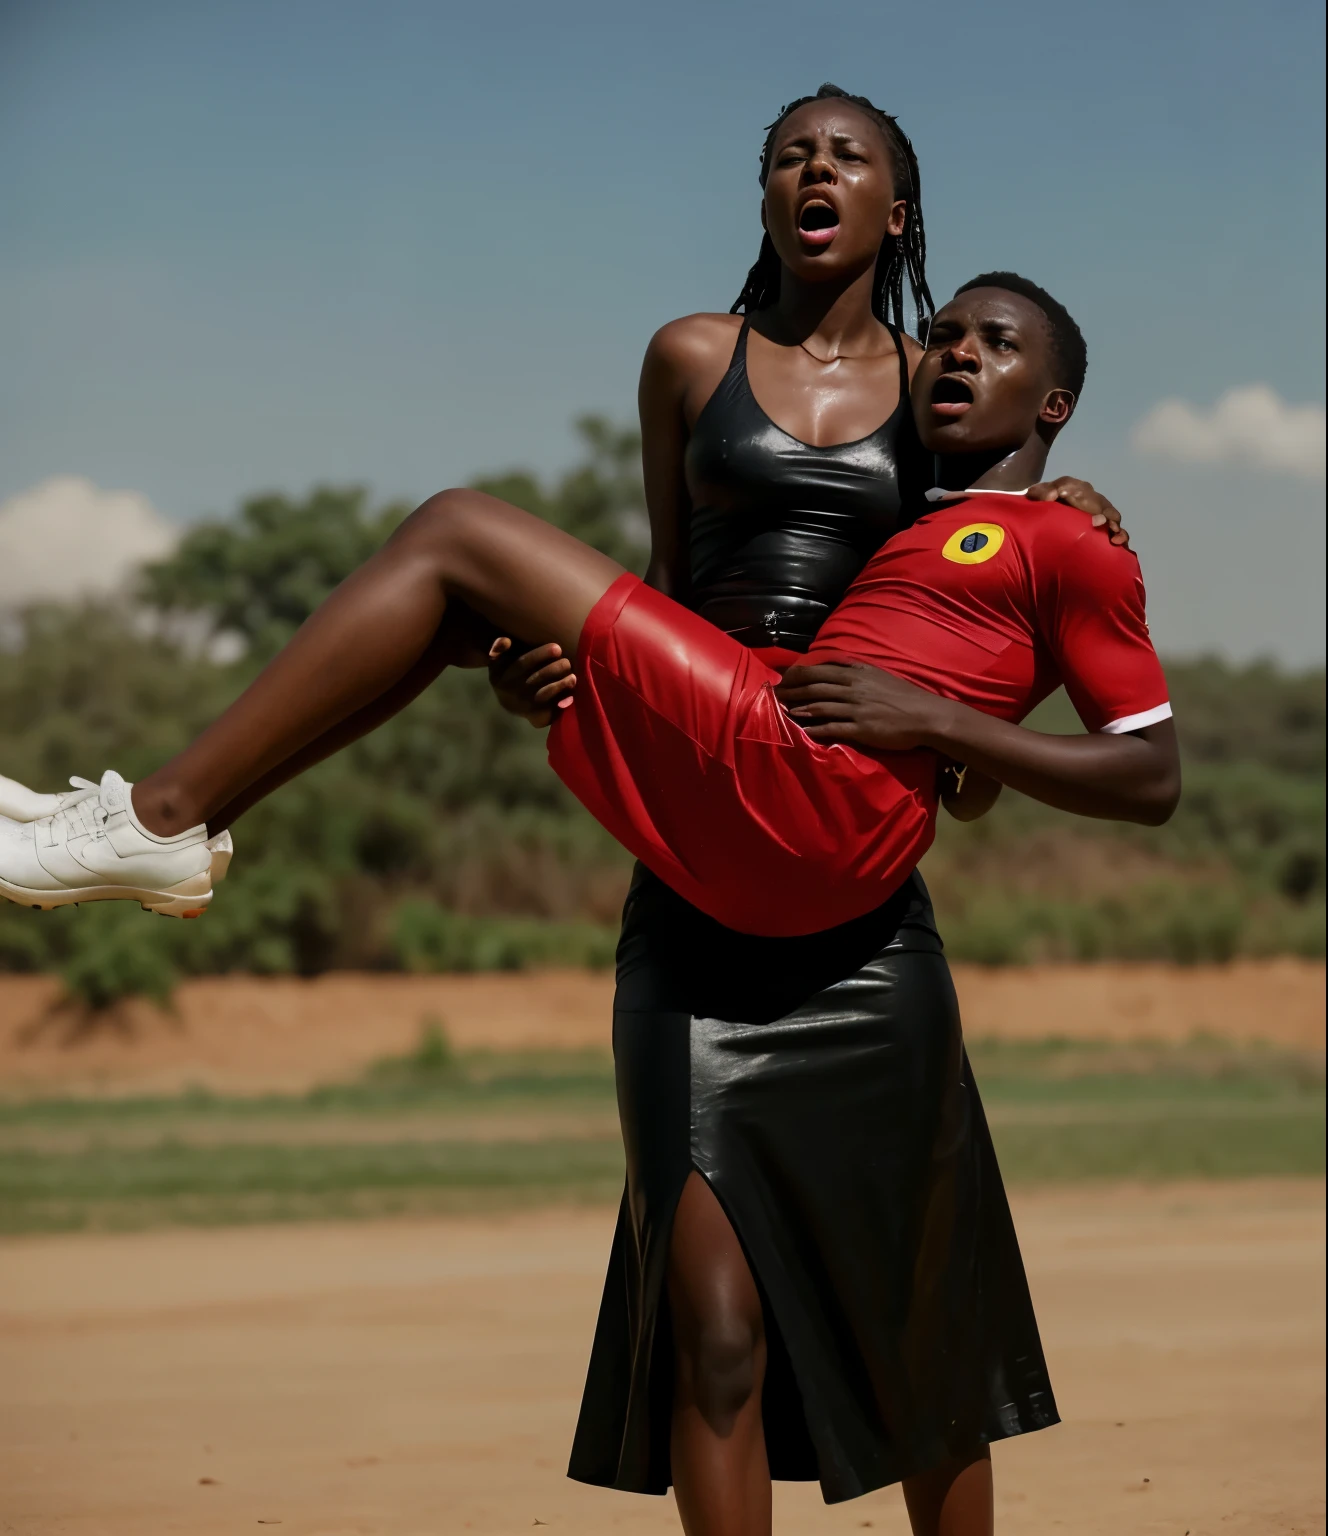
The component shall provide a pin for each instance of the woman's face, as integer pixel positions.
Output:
(829, 192)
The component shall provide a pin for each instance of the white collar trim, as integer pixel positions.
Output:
(937, 493)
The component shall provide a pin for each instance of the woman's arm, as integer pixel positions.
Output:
(1131, 777)
(683, 365)
(661, 403)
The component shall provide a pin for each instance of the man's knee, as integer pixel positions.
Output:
(721, 1360)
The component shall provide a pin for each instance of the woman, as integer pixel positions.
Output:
(815, 1272)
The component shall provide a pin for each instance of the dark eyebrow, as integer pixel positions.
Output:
(803, 140)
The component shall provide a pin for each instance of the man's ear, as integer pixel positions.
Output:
(764, 225)
(1057, 408)
(898, 218)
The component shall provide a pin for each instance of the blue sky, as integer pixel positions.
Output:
(263, 245)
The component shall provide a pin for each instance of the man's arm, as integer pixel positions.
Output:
(966, 794)
(1130, 777)
(1089, 609)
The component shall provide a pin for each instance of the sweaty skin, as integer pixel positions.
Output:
(465, 566)
(998, 344)
(820, 364)
(824, 368)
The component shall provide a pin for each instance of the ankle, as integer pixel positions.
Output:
(161, 809)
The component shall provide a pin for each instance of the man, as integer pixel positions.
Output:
(677, 741)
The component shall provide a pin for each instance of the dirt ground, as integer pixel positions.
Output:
(410, 1379)
(283, 1033)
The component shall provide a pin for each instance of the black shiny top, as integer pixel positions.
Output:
(778, 531)
(779, 528)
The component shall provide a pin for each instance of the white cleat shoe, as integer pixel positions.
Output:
(93, 848)
(19, 803)
(221, 848)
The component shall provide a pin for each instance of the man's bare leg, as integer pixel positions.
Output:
(380, 635)
(405, 691)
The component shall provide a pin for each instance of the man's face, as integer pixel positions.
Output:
(985, 381)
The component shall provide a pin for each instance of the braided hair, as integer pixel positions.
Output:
(901, 254)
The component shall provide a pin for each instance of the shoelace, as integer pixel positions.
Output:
(83, 815)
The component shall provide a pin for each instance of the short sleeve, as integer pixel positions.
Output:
(1091, 612)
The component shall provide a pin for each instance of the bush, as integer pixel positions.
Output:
(433, 1061)
(1179, 921)
(117, 955)
(430, 938)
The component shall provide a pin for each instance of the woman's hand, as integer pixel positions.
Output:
(1130, 776)
(849, 701)
(535, 684)
(1079, 493)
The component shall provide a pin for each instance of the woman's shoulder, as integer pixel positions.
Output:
(694, 341)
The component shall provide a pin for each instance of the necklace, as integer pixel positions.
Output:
(825, 362)
(841, 357)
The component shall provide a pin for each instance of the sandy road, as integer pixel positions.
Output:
(414, 1378)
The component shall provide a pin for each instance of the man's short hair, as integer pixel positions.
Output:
(1069, 351)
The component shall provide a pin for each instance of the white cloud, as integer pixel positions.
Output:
(1249, 425)
(66, 538)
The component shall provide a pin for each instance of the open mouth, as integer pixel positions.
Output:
(950, 396)
(818, 224)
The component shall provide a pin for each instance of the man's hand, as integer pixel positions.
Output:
(535, 684)
(1079, 493)
(848, 701)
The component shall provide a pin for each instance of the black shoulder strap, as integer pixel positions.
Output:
(903, 359)
(740, 346)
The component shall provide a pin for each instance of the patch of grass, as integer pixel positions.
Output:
(171, 1183)
(433, 1078)
(1064, 1110)
(427, 937)
(433, 1130)
(1170, 1145)
(1076, 1071)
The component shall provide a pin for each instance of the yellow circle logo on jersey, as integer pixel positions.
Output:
(974, 544)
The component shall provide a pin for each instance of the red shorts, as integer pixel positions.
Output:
(677, 744)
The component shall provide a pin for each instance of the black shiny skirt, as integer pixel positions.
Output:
(821, 1087)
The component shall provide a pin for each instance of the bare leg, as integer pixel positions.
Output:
(721, 1479)
(376, 637)
(954, 1499)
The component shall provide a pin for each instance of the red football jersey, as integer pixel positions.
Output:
(995, 600)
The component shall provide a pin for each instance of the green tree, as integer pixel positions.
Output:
(261, 574)
(601, 500)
